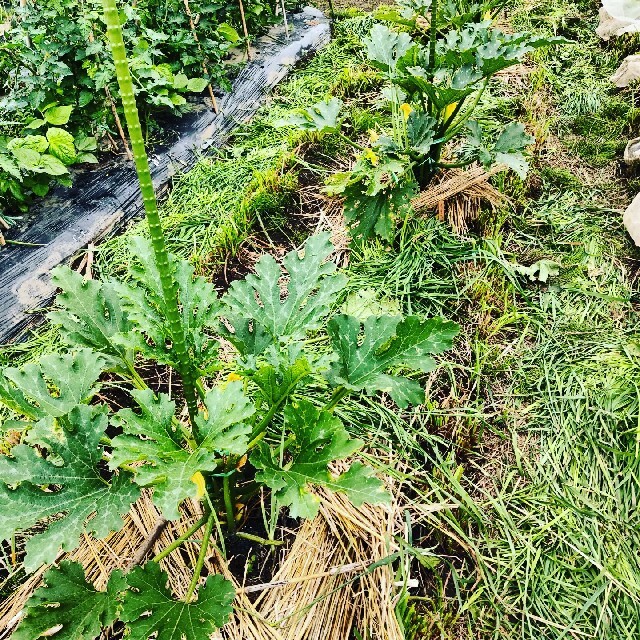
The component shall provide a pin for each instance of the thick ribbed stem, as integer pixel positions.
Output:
(169, 288)
(433, 34)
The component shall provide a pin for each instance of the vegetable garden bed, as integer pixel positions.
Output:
(504, 469)
(105, 199)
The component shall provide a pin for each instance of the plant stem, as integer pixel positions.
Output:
(355, 145)
(201, 558)
(178, 541)
(453, 165)
(433, 32)
(169, 287)
(228, 504)
(338, 394)
(259, 540)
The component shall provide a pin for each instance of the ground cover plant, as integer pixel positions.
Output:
(54, 58)
(265, 417)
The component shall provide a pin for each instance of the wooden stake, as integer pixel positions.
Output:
(116, 117)
(204, 65)
(284, 15)
(27, 38)
(244, 29)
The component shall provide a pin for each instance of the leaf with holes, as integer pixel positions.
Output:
(256, 310)
(55, 385)
(168, 465)
(150, 609)
(89, 314)
(69, 481)
(320, 439)
(386, 47)
(144, 302)
(386, 343)
(67, 599)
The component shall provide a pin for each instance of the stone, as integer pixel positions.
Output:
(616, 19)
(631, 220)
(632, 151)
(628, 72)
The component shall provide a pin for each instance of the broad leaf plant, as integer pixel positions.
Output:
(258, 413)
(435, 72)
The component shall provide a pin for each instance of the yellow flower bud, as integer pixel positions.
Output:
(198, 479)
(449, 109)
(406, 110)
(371, 156)
(373, 136)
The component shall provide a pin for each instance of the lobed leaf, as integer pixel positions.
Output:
(144, 303)
(256, 310)
(387, 342)
(68, 484)
(168, 465)
(67, 600)
(54, 385)
(89, 314)
(321, 117)
(320, 439)
(149, 608)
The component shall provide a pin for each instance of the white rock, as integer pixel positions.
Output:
(632, 151)
(628, 72)
(612, 26)
(623, 9)
(631, 220)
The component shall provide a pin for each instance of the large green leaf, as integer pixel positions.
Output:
(54, 385)
(61, 145)
(421, 131)
(320, 439)
(150, 437)
(67, 599)
(255, 307)
(321, 117)
(385, 47)
(168, 465)
(223, 429)
(150, 609)
(387, 343)
(67, 484)
(507, 149)
(374, 198)
(89, 314)
(144, 303)
(58, 115)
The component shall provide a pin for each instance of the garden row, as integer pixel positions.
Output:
(59, 99)
(533, 535)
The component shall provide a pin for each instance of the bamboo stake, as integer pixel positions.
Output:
(27, 38)
(204, 65)
(244, 29)
(116, 117)
(284, 15)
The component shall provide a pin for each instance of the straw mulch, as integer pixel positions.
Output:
(458, 196)
(322, 589)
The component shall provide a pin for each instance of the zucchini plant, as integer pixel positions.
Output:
(432, 89)
(267, 420)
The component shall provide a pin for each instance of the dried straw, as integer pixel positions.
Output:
(459, 194)
(322, 589)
